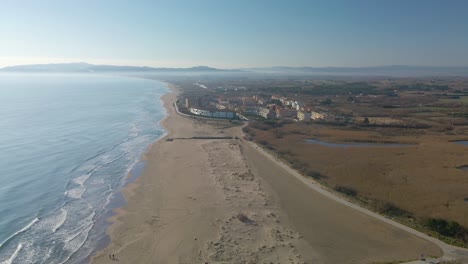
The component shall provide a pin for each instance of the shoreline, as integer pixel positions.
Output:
(118, 200)
(127, 247)
(170, 231)
(129, 180)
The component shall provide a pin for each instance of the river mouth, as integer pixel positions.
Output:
(355, 144)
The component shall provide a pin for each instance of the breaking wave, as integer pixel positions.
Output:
(24, 229)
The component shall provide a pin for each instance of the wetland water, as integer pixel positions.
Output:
(354, 144)
(461, 142)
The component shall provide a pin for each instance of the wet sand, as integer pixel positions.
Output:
(222, 201)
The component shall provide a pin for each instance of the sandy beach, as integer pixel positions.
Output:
(223, 201)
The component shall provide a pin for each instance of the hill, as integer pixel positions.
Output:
(86, 67)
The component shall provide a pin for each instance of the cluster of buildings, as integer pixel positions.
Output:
(203, 106)
(214, 114)
(285, 108)
(259, 111)
(268, 107)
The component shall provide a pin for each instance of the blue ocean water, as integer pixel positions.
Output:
(67, 143)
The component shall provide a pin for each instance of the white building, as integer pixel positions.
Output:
(317, 115)
(303, 116)
(214, 114)
(259, 111)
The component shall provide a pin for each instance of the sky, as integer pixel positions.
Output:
(233, 34)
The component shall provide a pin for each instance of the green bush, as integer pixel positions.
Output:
(316, 175)
(346, 190)
(279, 133)
(447, 228)
(391, 209)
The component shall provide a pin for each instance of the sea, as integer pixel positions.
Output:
(67, 144)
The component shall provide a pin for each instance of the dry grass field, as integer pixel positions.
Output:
(418, 181)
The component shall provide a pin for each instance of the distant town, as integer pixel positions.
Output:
(264, 106)
(267, 107)
(376, 102)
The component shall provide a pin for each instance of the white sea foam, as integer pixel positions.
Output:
(90, 169)
(108, 198)
(20, 231)
(130, 167)
(134, 130)
(106, 160)
(75, 193)
(14, 255)
(47, 255)
(27, 254)
(60, 219)
(76, 241)
(82, 179)
(51, 223)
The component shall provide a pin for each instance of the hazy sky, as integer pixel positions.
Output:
(235, 33)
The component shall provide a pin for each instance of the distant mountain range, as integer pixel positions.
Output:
(86, 67)
(394, 70)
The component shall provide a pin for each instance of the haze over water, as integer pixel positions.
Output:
(67, 142)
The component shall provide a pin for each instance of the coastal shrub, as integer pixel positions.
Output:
(327, 101)
(315, 175)
(346, 190)
(366, 121)
(284, 153)
(297, 166)
(390, 106)
(303, 168)
(256, 125)
(263, 142)
(461, 115)
(399, 125)
(244, 219)
(266, 124)
(391, 209)
(285, 122)
(279, 133)
(447, 228)
(298, 132)
(273, 123)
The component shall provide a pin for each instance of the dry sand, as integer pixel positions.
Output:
(221, 201)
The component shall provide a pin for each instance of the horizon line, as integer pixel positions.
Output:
(233, 68)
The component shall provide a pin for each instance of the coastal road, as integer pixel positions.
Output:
(335, 225)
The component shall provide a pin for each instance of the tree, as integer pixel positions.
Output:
(366, 121)
(327, 101)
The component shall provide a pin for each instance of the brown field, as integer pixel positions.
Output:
(422, 179)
